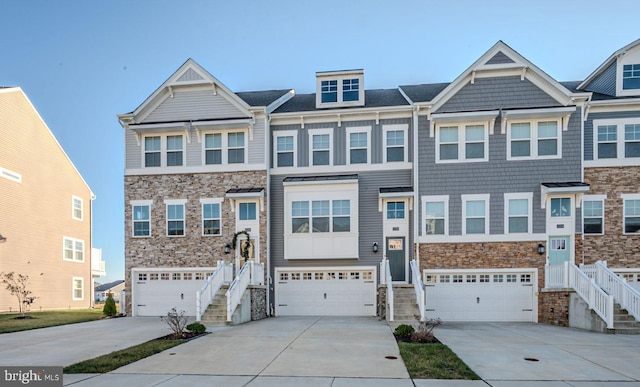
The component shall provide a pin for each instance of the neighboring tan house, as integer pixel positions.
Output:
(115, 288)
(45, 211)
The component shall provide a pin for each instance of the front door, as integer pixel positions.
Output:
(559, 249)
(396, 256)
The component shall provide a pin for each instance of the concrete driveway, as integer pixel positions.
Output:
(497, 352)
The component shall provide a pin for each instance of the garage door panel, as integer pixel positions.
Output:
(156, 293)
(493, 296)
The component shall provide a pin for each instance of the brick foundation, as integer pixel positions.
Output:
(553, 307)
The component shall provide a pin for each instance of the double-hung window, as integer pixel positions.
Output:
(341, 215)
(165, 150)
(593, 214)
(211, 220)
(224, 148)
(174, 151)
(436, 214)
(299, 217)
(462, 143)
(358, 140)
(329, 91)
(631, 213)
(534, 139)
(77, 288)
(285, 151)
(213, 148)
(76, 203)
(617, 138)
(152, 151)
(631, 76)
(175, 217)
(518, 208)
(607, 141)
(141, 218)
(236, 148)
(632, 140)
(395, 144)
(350, 89)
(320, 147)
(325, 216)
(73, 249)
(475, 214)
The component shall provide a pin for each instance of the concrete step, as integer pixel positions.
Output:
(625, 331)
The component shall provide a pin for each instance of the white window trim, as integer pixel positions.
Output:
(524, 195)
(462, 127)
(73, 241)
(73, 208)
(435, 199)
(465, 199)
(315, 132)
(204, 201)
(10, 175)
(533, 145)
(285, 133)
(387, 128)
(133, 203)
(170, 202)
(245, 201)
(358, 129)
(620, 141)
(595, 198)
(73, 288)
(163, 149)
(224, 149)
(627, 59)
(624, 198)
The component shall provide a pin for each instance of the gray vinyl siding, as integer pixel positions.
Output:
(369, 226)
(340, 142)
(588, 128)
(605, 83)
(497, 176)
(193, 151)
(499, 58)
(188, 104)
(190, 75)
(133, 151)
(498, 93)
(256, 146)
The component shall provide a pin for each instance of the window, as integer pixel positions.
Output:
(631, 76)
(285, 151)
(358, 146)
(632, 140)
(247, 211)
(395, 210)
(395, 144)
(329, 91)
(593, 214)
(175, 218)
(73, 249)
(152, 151)
(534, 139)
(436, 210)
(607, 139)
(475, 210)
(462, 143)
(211, 219)
(141, 220)
(174, 151)
(326, 216)
(631, 214)
(78, 288)
(560, 207)
(518, 208)
(213, 148)
(224, 148)
(320, 147)
(350, 89)
(77, 208)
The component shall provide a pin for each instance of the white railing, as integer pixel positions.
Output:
(252, 273)
(418, 287)
(623, 293)
(205, 295)
(385, 278)
(556, 276)
(596, 298)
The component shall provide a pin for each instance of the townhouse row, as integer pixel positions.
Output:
(482, 181)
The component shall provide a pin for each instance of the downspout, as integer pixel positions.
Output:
(267, 157)
(416, 206)
(92, 302)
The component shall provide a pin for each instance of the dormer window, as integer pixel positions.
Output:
(339, 88)
(631, 76)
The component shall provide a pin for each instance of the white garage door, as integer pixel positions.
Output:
(326, 291)
(491, 295)
(156, 292)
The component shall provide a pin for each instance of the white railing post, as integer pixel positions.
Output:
(565, 275)
(418, 287)
(609, 313)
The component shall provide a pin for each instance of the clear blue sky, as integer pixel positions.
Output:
(83, 62)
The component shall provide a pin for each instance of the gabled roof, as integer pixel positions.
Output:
(500, 59)
(107, 286)
(373, 98)
(608, 62)
(262, 98)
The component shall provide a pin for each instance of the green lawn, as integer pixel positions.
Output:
(434, 361)
(9, 323)
(117, 359)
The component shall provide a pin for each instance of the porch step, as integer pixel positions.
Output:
(216, 313)
(623, 322)
(404, 305)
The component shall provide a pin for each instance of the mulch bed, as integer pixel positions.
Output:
(187, 336)
(416, 339)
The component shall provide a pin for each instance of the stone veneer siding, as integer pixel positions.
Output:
(193, 249)
(553, 307)
(617, 249)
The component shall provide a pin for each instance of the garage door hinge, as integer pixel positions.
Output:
(368, 304)
(283, 305)
(430, 310)
(282, 282)
(527, 310)
(427, 285)
(527, 284)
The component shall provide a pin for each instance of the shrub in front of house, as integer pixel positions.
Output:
(109, 308)
(196, 327)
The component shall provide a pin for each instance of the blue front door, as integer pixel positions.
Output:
(396, 256)
(559, 249)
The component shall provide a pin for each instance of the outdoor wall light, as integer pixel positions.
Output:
(2, 239)
(374, 248)
(541, 248)
(227, 248)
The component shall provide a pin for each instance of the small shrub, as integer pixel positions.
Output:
(404, 330)
(424, 333)
(109, 308)
(196, 327)
(177, 322)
